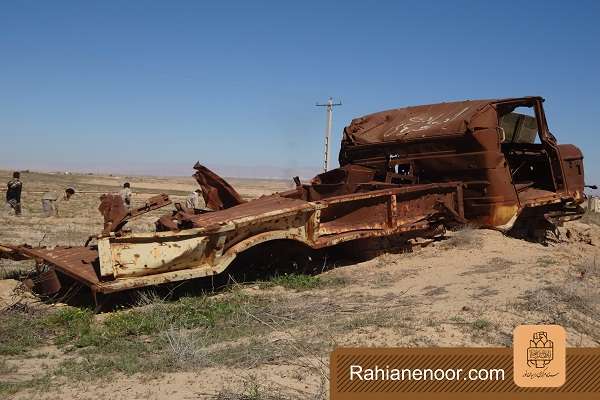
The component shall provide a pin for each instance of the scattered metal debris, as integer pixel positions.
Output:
(116, 215)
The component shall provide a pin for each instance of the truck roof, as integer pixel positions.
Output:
(424, 121)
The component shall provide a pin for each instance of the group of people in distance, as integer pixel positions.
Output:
(51, 199)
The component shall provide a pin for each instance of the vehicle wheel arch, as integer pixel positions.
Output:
(261, 239)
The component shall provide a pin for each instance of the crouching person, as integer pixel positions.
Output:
(51, 199)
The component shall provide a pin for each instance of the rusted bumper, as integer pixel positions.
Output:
(76, 262)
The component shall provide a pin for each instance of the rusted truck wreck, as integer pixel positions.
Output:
(404, 173)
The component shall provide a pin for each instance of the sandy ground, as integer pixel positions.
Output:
(470, 289)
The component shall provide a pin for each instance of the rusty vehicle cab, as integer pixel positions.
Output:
(502, 150)
(541, 170)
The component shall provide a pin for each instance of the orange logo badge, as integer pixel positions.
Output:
(539, 355)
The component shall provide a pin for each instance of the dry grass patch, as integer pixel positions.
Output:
(591, 218)
(573, 302)
(496, 264)
(231, 329)
(253, 390)
(466, 237)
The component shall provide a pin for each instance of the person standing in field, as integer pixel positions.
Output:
(13, 192)
(125, 194)
(195, 200)
(50, 201)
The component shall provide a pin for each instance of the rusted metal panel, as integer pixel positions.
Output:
(572, 160)
(437, 143)
(268, 204)
(138, 257)
(116, 215)
(106, 268)
(12, 254)
(168, 257)
(415, 123)
(76, 262)
(47, 283)
(217, 193)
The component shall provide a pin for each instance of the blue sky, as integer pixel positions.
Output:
(154, 86)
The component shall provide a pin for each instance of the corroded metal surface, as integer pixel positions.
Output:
(217, 193)
(47, 283)
(134, 260)
(404, 173)
(116, 215)
(416, 123)
(470, 142)
(9, 252)
(125, 261)
(77, 262)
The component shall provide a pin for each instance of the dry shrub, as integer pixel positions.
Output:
(466, 237)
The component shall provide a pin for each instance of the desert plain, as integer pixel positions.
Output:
(271, 338)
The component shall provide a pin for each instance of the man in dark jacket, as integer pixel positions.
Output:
(13, 192)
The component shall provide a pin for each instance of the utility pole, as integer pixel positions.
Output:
(330, 104)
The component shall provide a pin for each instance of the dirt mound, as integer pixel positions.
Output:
(12, 292)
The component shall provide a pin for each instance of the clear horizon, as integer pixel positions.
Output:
(230, 171)
(150, 88)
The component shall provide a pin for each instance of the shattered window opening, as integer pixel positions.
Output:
(520, 127)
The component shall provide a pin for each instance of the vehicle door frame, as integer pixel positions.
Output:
(547, 140)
